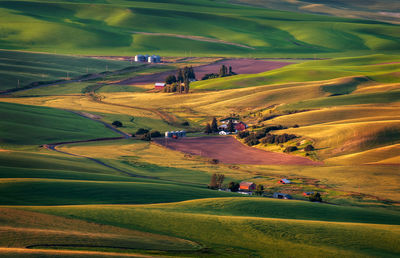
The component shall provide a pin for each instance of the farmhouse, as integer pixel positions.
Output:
(159, 85)
(282, 196)
(284, 181)
(247, 186)
(240, 126)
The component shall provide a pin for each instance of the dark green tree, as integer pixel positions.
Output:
(117, 124)
(315, 197)
(230, 70)
(231, 126)
(170, 79)
(186, 85)
(208, 130)
(146, 137)
(223, 71)
(214, 125)
(180, 76)
(259, 190)
(233, 186)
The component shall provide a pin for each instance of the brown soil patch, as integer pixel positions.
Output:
(230, 151)
(239, 66)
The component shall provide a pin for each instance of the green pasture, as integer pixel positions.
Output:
(244, 235)
(35, 67)
(379, 68)
(30, 125)
(81, 27)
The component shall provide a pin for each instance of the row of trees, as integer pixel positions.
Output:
(184, 76)
(223, 72)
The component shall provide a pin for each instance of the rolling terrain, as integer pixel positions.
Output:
(72, 184)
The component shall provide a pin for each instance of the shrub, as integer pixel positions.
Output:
(251, 140)
(117, 124)
(268, 139)
(290, 149)
(186, 123)
(315, 197)
(233, 186)
(154, 134)
(142, 131)
(260, 134)
(214, 161)
(243, 134)
(296, 126)
(309, 148)
(146, 137)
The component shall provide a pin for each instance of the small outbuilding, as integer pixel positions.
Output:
(284, 181)
(247, 186)
(282, 196)
(240, 126)
(159, 85)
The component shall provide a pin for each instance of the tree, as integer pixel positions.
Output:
(223, 71)
(146, 137)
(180, 76)
(142, 131)
(117, 124)
(170, 79)
(191, 74)
(309, 148)
(208, 130)
(213, 182)
(220, 180)
(259, 190)
(315, 197)
(233, 186)
(186, 85)
(290, 149)
(214, 125)
(230, 70)
(155, 133)
(231, 126)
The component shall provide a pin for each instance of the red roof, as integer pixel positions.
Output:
(247, 186)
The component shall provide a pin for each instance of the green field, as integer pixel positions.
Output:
(28, 67)
(231, 30)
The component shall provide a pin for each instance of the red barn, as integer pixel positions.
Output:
(159, 86)
(247, 186)
(240, 126)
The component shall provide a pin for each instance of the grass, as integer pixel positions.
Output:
(33, 67)
(264, 237)
(29, 125)
(95, 28)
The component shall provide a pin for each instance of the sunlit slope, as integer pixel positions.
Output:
(379, 68)
(26, 68)
(266, 237)
(196, 27)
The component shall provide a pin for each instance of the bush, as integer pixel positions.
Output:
(290, 149)
(309, 148)
(146, 137)
(142, 131)
(233, 186)
(315, 197)
(214, 161)
(154, 134)
(251, 140)
(260, 134)
(243, 134)
(117, 124)
(268, 139)
(186, 123)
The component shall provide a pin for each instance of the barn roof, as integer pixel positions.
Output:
(159, 84)
(286, 181)
(246, 183)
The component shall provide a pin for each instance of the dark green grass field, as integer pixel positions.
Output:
(28, 125)
(81, 27)
(34, 67)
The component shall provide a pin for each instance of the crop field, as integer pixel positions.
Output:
(198, 28)
(84, 174)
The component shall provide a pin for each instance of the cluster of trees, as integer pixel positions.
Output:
(211, 128)
(315, 197)
(223, 72)
(117, 123)
(277, 139)
(146, 135)
(184, 76)
(216, 181)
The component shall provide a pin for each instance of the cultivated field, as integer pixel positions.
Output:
(320, 94)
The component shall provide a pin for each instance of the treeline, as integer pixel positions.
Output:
(224, 71)
(265, 137)
(181, 82)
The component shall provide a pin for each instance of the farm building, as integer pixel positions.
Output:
(307, 194)
(154, 59)
(159, 85)
(282, 196)
(175, 134)
(247, 186)
(284, 181)
(226, 120)
(140, 58)
(240, 126)
(245, 193)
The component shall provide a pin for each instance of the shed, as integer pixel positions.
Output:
(284, 181)
(240, 126)
(247, 186)
(282, 196)
(159, 85)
